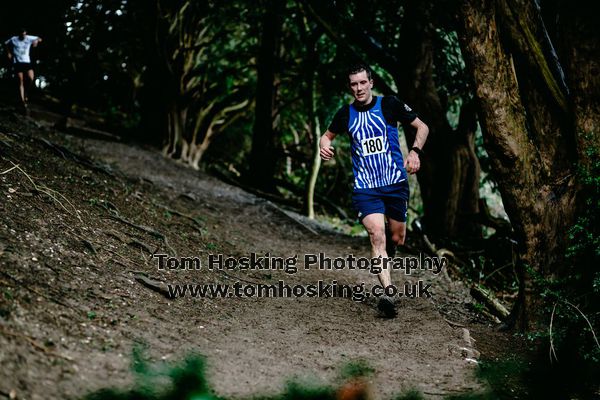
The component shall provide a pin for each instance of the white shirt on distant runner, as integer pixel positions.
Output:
(21, 48)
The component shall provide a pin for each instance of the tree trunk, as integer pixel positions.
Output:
(263, 155)
(462, 213)
(315, 127)
(218, 119)
(175, 129)
(527, 133)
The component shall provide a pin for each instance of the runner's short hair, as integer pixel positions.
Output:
(360, 67)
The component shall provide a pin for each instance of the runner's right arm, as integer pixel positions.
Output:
(9, 49)
(326, 151)
(338, 125)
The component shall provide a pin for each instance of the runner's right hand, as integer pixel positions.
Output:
(326, 153)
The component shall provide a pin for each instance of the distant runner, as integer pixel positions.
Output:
(380, 172)
(18, 52)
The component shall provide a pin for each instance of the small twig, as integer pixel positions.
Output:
(496, 270)
(586, 320)
(552, 352)
(141, 245)
(127, 261)
(10, 169)
(452, 323)
(53, 194)
(122, 264)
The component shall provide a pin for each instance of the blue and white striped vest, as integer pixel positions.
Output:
(376, 155)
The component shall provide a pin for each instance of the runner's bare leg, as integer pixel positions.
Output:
(375, 226)
(29, 84)
(21, 86)
(398, 231)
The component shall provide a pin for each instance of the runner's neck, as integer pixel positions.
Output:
(365, 107)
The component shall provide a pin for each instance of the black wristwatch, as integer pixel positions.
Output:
(417, 150)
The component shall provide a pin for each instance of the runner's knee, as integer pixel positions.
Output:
(398, 238)
(377, 236)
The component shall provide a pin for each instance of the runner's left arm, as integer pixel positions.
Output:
(413, 162)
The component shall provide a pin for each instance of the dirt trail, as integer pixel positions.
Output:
(71, 309)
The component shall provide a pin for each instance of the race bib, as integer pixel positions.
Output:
(373, 145)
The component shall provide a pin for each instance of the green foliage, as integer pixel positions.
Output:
(183, 381)
(297, 391)
(519, 377)
(410, 395)
(357, 369)
(450, 73)
(571, 299)
(584, 236)
(187, 380)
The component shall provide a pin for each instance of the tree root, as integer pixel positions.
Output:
(129, 242)
(196, 224)
(454, 324)
(68, 154)
(146, 229)
(157, 286)
(235, 278)
(290, 217)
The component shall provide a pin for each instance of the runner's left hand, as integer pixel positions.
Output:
(412, 162)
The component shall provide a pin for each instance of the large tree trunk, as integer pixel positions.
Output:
(176, 119)
(527, 125)
(263, 155)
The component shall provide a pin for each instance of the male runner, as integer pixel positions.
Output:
(18, 51)
(380, 172)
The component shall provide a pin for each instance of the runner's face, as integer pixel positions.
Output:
(361, 86)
